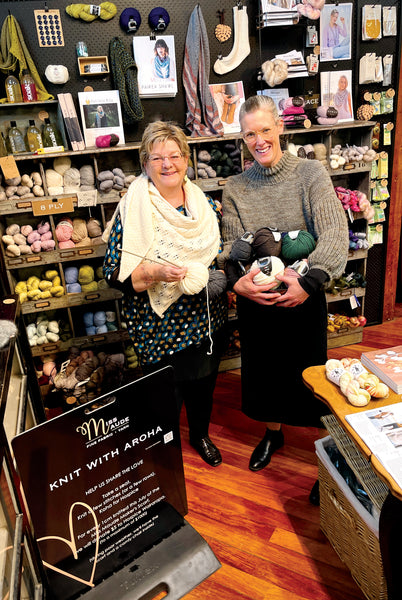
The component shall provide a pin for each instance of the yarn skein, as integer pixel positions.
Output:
(90, 12)
(195, 279)
(263, 279)
(267, 242)
(297, 244)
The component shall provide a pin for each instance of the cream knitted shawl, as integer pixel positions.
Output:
(154, 229)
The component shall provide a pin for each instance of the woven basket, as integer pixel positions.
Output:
(352, 531)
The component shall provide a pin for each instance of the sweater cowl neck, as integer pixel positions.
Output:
(274, 174)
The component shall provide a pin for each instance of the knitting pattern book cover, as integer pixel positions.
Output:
(100, 115)
(156, 63)
(228, 98)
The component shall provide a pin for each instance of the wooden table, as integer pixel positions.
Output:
(390, 524)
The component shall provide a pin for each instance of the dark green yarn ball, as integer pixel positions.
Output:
(299, 247)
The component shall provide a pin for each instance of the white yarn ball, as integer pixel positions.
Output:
(195, 280)
(277, 269)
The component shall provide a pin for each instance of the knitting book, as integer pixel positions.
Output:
(228, 98)
(387, 365)
(381, 431)
(100, 115)
(156, 63)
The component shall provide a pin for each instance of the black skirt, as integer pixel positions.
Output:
(277, 344)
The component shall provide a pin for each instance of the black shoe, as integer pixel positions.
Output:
(261, 457)
(208, 451)
(314, 496)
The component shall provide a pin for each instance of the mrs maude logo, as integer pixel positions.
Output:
(93, 429)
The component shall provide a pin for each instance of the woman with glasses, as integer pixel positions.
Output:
(281, 333)
(163, 226)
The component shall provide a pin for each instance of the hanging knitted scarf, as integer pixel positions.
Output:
(162, 67)
(124, 71)
(153, 228)
(13, 51)
(195, 73)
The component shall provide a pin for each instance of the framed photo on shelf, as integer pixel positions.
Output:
(335, 91)
(228, 98)
(335, 32)
(278, 95)
(100, 115)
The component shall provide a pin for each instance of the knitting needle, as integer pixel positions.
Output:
(152, 260)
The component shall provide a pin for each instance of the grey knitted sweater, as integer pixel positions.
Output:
(294, 194)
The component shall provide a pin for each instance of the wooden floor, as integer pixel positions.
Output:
(261, 526)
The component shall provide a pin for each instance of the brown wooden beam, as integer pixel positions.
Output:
(395, 215)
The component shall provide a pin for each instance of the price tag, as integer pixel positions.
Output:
(87, 198)
(9, 167)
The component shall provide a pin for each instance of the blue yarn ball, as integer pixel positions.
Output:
(88, 319)
(90, 330)
(102, 329)
(73, 288)
(71, 274)
(99, 318)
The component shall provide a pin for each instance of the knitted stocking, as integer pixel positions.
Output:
(241, 45)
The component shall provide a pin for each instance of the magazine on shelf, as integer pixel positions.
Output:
(381, 430)
(387, 365)
(101, 115)
(228, 98)
(156, 63)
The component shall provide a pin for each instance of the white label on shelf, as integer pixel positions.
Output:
(87, 198)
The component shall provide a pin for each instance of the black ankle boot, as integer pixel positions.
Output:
(261, 457)
(207, 450)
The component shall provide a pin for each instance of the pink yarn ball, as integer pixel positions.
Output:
(36, 247)
(26, 230)
(49, 368)
(34, 236)
(48, 244)
(66, 244)
(46, 236)
(43, 227)
(64, 230)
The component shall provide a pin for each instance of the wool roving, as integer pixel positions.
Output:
(267, 242)
(277, 269)
(297, 244)
(90, 12)
(195, 279)
(8, 329)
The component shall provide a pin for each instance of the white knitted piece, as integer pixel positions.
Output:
(154, 229)
(241, 45)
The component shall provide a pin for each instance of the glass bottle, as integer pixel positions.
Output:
(28, 87)
(33, 138)
(51, 135)
(15, 139)
(13, 89)
(3, 148)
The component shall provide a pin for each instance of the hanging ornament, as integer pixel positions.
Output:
(222, 31)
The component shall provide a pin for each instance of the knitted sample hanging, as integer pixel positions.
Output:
(13, 51)
(124, 71)
(195, 74)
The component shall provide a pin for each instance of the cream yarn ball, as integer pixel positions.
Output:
(195, 280)
(277, 269)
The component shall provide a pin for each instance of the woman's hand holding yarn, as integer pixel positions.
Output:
(261, 294)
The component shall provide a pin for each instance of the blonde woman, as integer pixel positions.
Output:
(164, 223)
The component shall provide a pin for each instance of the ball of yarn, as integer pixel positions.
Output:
(87, 176)
(297, 244)
(86, 274)
(64, 230)
(99, 318)
(267, 242)
(71, 274)
(263, 279)
(195, 280)
(80, 232)
(94, 227)
(61, 164)
(85, 13)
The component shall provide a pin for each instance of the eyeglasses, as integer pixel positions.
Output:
(250, 137)
(158, 160)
